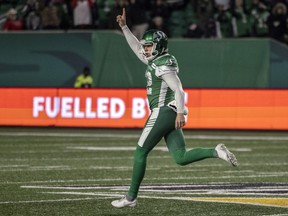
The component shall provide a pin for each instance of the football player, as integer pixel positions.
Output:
(166, 102)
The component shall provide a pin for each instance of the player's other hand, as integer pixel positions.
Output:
(180, 121)
(121, 19)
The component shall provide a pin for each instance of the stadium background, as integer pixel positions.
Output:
(230, 84)
(79, 171)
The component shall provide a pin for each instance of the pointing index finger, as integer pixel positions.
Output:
(123, 13)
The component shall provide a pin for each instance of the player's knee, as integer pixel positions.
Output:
(179, 157)
(180, 162)
(140, 155)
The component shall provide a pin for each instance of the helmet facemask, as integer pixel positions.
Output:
(153, 52)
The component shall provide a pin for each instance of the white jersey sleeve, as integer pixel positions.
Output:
(134, 43)
(174, 83)
(165, 64)
(164, 69)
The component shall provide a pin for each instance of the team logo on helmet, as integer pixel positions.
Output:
(159, 35)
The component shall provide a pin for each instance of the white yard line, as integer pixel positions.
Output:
(68, 168)
(13, 166)
(276, 215)
(189, 189)
(113, 148)
(86, 135)
(132, 148)
(82, 159)
(68, 181)
(123, 135)
(37, 168)
(174, 189)
(162, 179)
(231, 137)
(48, 201)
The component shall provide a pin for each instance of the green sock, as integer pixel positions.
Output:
(139, 168)
(130, 199)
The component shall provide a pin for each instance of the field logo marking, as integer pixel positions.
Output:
(240, 193)
(271, 201)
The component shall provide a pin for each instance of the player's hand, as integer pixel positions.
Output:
(121, 19)
(180, 121)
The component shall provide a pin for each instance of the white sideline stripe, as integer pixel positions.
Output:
(129, 148)
(276, 215)
(128, 179)
(114, 148)
(174, 178)
(241, 149)
(84, 158)
(69, 135)
(157, 192)
(44, 201)
(28, 168)
(68, 181)
(277, 174)
(64, 168)
(228, 137)
(12, 166)
(200, 137)
(64, 181)
(164, 188)
(218, 193)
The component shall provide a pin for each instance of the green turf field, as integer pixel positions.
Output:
(65, 172)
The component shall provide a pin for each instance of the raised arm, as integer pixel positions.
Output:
(131, 39)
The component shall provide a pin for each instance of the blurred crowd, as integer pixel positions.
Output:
(178, 18)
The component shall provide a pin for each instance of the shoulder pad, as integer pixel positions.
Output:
(166, 60)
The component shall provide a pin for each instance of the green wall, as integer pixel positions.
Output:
(223, 63)
(54, 60)
(43, 59)
(278, 65)
(203, 63)
(115, 65)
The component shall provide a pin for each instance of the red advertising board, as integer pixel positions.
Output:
(128, 108)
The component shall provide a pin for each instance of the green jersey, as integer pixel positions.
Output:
(163, 84)
(158, 92)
